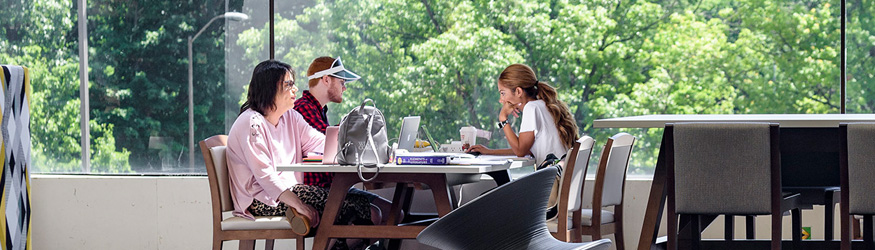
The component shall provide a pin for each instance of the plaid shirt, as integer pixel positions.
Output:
(315, 114)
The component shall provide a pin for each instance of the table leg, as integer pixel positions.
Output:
(339, 188)
(400, 204)
(397, 200)
(441, 192)
(501, 177)
(655, 202)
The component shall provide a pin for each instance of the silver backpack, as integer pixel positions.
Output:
(362, 139)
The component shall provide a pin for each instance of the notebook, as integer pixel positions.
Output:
(407, 137)
(329, 154)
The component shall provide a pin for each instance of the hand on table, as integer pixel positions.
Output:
(479, 149)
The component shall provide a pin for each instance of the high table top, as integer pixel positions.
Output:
(786, 120)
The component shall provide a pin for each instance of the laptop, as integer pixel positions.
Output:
(434, 145)
(329, 154)
(409, 129)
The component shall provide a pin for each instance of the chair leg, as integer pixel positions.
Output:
(247, 245)
(750, 227)
(867, 232)
(776, 231)
(577, 237)
(695, 232)
(796, 217)
(217, 243)
(268, 244)
(618, 235)
(597, 234)
(728, 227)
(299, 243)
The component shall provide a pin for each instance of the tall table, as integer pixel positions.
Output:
(809, 158)
(434, 176)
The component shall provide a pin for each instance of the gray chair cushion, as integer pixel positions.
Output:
(218, 154)
(575, 192)
(586, 219)
(615, 172)
(722, 168)
(861, 168)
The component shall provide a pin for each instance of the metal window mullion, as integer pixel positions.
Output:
(844, 58)
(84, 107)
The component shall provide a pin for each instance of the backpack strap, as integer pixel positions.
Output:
(359, 163)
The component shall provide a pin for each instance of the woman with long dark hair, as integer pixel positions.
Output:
(268, 133)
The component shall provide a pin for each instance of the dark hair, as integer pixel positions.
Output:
(518, 75)
(266, 79)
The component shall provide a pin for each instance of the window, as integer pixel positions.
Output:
(436, 59)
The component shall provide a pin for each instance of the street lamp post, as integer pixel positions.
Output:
(233, 16)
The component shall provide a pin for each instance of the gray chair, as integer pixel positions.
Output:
(857, 161)
(508, 217)
(725, 169)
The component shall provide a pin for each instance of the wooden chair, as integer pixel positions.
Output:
(237, 228)
(571, 192)
(608, 191)
(728, 169)
(857, 162)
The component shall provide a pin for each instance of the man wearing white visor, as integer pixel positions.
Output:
(337, 70)
(327, 82)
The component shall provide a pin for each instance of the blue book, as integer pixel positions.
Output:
(422, 160)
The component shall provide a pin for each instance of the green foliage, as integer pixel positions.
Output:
(440, 59)
(42, 38)
(437, 59)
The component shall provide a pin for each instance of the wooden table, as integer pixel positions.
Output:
(809, 158)
(434, 176)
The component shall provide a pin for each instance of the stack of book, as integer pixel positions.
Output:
(427, 158)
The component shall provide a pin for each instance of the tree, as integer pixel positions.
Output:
(436, 59)
(41, 36)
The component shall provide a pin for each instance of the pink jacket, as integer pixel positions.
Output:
(256, 147)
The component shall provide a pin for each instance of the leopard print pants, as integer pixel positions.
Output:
(356, 208)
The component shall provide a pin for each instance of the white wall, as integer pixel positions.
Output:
(95, 212)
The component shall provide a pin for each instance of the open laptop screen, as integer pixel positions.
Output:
(407, 137)
(330, 151)
(431, 140)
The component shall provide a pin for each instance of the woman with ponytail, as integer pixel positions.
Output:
(547, 125)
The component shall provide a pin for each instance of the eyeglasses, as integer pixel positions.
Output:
(288, 85)
(342, 81)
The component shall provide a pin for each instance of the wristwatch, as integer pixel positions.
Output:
(501, 125)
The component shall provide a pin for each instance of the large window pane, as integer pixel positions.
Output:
(436, 59)
(861, 57)
(139, 82)
(42, 36)
(440, 59)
